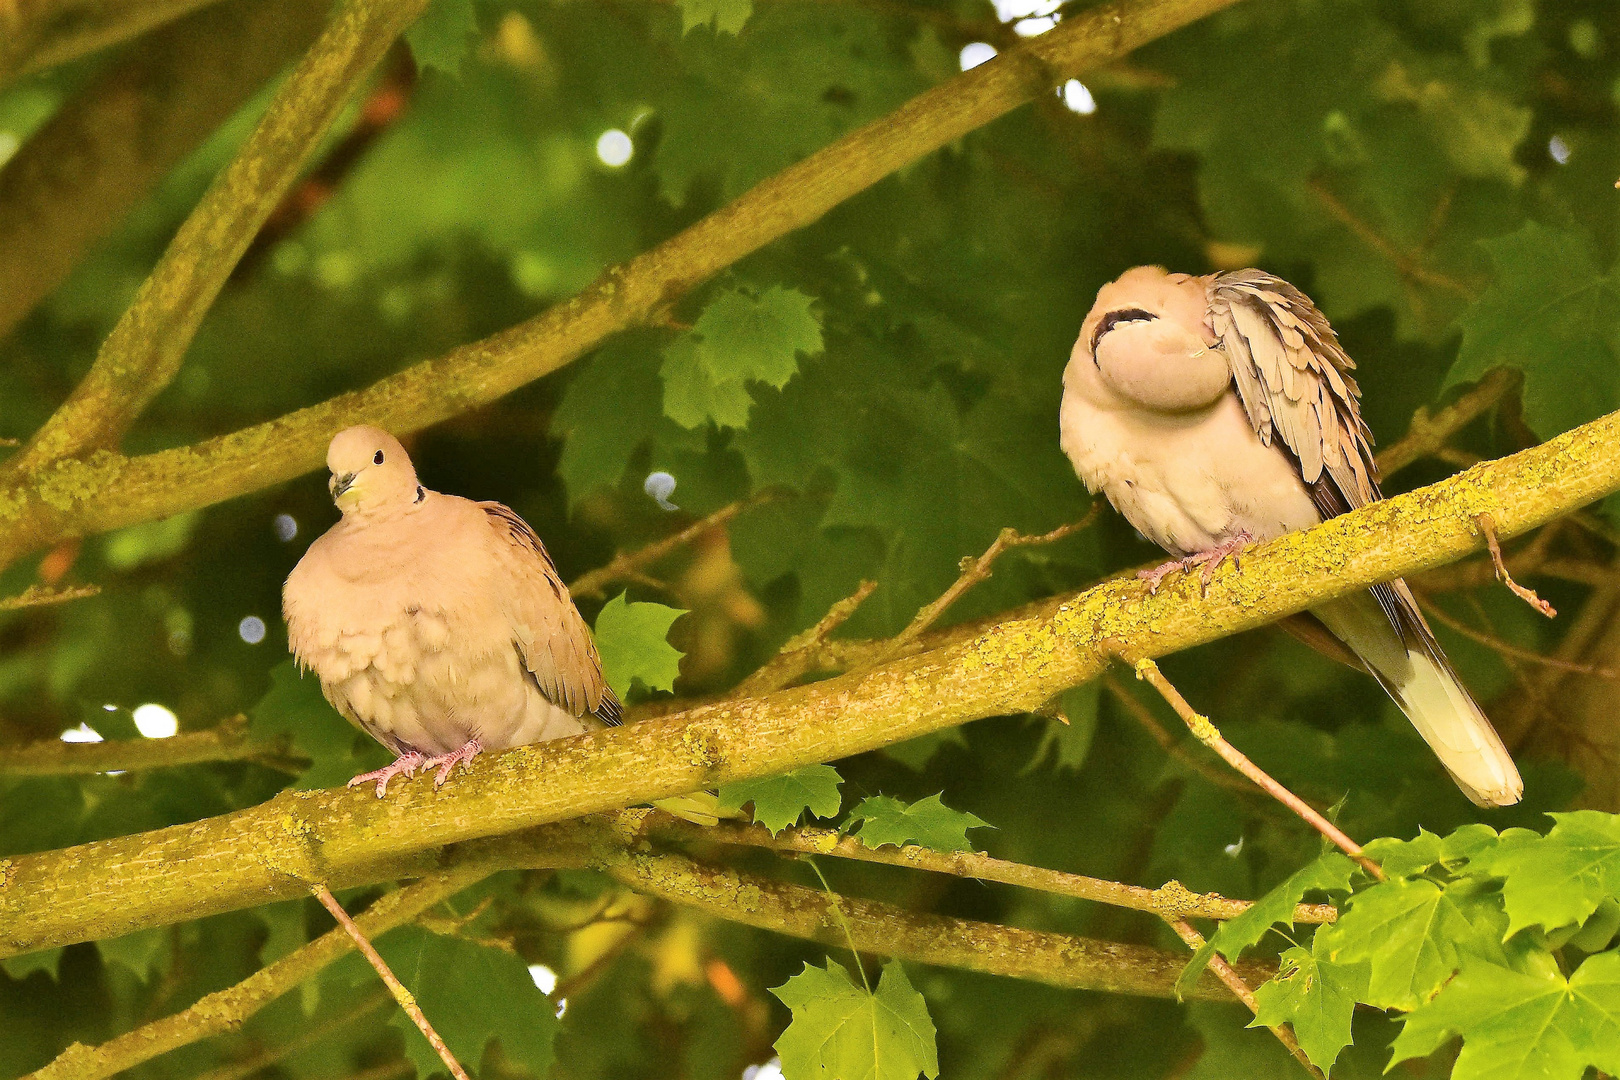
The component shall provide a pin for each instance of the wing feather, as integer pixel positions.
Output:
(550, 635)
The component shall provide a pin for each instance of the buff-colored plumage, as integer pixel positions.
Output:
(1218, 411)
(436, 624)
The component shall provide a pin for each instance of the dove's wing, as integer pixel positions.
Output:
(547, 629)
(1294, 381)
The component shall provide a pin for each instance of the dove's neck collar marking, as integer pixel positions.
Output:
(1113, 319)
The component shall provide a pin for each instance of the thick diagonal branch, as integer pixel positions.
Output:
(345, 837)
(108, 491)
(143, 352)
(75, 179)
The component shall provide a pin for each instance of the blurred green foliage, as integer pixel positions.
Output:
(1438, 174)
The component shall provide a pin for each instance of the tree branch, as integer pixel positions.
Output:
(36, 34)
(627, 563)
(143, 352)
(227, 741)
(74, 497)
(1052, 959)
(1428, 434)
(226, 1009)
(94, 161)
(346, 837)
(1172, 899)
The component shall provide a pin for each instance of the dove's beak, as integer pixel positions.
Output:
(340, 484)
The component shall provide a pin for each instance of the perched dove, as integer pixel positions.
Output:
(437, 625)
(1219, 411)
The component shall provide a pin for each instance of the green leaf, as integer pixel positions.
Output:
(1523, 1027)
(633, 642)
(1551, 313)
(726, 16)
(150, 542)
(295, 709)
(1558, 879)
(930, 823)
(1405, 858)
(1414, 933)
(780, 800)
(839, 1031)
(439, 39)
(611, 406)
(692, 394)
(1063, 745)
(471, 993)
(141, 951)
(20, 967)
(1329, 872)
(1317, 997)
(738, 338)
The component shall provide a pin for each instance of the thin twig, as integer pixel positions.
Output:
(40, 596)
(1205, 732)
(1506, 648)
(311, 1036)
(628, 564)
(1169, 743)
(1170, 899)
(406, 1001)
(1406, 264)
(796, 655)
(1487, 526)
(1235, 983)
(1427, 434)
(976, 570)
(229, 1008)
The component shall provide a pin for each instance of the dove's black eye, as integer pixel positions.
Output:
(378, 459)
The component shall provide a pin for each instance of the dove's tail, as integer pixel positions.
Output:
(700, 807)
(1395, 644)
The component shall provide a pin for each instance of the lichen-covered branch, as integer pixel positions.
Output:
(75, 179)
(36, 34)
(1052, 959)
(227, 741)
(143, 352)
(226, 1009)
(347, 837)
(105, 491)
(1170, 900)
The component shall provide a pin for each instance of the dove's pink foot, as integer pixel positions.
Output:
(446, 763)
(1216, 555)
(405, 765)
(1155, 576)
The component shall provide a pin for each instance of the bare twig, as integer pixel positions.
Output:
(1170, 899)
(1205, 732)
(226, 1009)
(796, 657)
(1427, 434)
(627, 565)
(40, 596)
(1507, 648)
(976, 570)
(1408, 265)
(407, 1002)
(311, 1036)
(1234, 982)
(1169, 743)
(1487, 527)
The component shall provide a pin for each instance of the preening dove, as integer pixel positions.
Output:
(438, 625)
(1219, 411)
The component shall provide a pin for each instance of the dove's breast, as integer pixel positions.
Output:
(411, 642)
(1187, 481)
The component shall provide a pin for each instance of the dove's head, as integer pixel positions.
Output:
(1147, 343)
(371, 473)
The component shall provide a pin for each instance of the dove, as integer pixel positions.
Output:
(437, 625)
(1217, 412)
